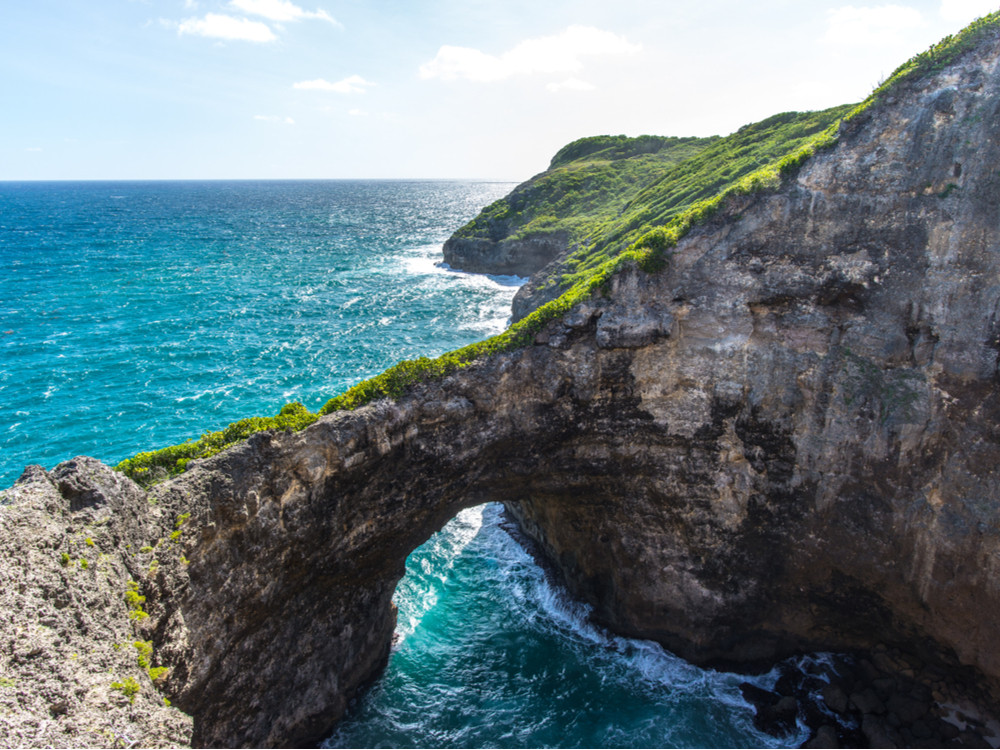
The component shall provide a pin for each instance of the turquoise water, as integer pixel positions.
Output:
(489, 653)
(136, 315)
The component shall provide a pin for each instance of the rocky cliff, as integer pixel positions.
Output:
(602, 193)
(785, 439)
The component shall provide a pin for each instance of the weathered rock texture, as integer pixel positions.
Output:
(505, 257)
(66, 636)
(788, 439)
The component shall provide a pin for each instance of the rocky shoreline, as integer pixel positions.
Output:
(882, 698)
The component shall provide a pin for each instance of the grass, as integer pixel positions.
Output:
(588, 181)
(670, 186)
(686, 186)
(128, 687)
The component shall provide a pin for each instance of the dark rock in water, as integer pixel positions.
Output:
(867, 702)
(784, 441)
(879, 734)
(826, 737)
(775, 714)
(835, 698)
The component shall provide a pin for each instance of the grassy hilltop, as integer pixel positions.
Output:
(605, 192)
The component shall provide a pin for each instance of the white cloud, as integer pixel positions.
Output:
(349, 85)
(219, 26)
(560, 53)
(280, 10)
(570, 84)
(275, 118)
(33, 149)
(966, 11)
(356, 112)
(878, 26)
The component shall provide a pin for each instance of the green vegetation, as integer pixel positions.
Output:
(716, 170)
(149, 467)
(588, 182)
(127, 687)
(65, 560)
(606, 192)
(7, 682)
(622, 202)
(145, 649)
(135, 601)
(155, 673)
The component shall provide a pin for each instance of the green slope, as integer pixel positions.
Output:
(607, 191)
(588, 182)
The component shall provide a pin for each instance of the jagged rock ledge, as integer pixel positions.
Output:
(786, 440)
(506, 257)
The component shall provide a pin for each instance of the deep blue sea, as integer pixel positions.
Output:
(136, 315)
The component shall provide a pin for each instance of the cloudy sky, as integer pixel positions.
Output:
(212, 89)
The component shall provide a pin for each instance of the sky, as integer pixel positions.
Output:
(305, 89)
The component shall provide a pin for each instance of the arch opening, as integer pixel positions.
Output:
(490, 651)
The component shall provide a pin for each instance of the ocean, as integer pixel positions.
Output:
(135, 315)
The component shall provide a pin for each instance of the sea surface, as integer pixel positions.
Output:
(137, 315)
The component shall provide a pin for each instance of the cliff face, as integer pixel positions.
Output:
(785, 440)
(68, 644)
(506, 257)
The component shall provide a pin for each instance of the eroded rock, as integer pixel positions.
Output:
(786, 440)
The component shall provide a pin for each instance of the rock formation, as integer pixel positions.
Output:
(785, 440)
(506, 257)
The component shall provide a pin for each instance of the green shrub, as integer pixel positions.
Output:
(127, 687)
(145, 649)
(135, 600)
(148, 467)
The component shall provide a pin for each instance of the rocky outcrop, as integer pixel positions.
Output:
(785, 440)
(69, 661)
(504, 257)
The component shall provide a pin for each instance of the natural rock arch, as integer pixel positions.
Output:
(784, 440)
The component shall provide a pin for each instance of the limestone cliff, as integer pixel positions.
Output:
(786, 439)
